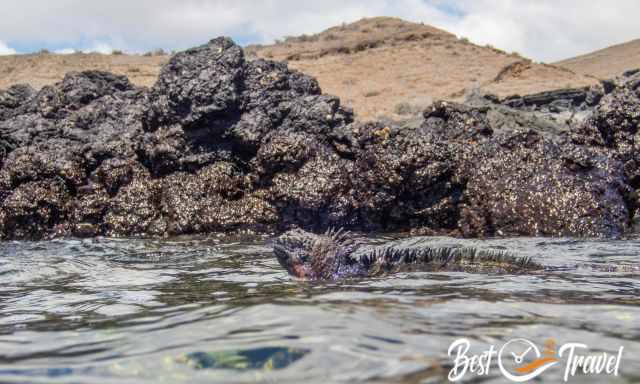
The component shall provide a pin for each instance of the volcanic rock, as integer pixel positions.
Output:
(221, 143)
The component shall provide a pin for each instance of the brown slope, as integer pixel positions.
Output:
(606, 63)
(386, 66)
(44, 69)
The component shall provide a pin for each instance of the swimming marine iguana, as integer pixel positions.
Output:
(337, 254)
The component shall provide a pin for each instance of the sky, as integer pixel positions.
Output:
(544, 30)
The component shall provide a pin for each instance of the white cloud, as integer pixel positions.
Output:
(548, 30)
(96, 47)
(6, 50)
(542, 29)
(103, 48)
(65, 51)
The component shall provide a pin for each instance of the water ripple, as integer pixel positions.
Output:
(206, 310)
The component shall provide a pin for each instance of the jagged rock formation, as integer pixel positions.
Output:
(221, 143)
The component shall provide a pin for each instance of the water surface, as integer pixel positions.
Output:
(207, 310)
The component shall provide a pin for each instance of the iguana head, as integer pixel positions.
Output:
(313, 257)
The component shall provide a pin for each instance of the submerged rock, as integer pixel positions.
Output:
(220, 143)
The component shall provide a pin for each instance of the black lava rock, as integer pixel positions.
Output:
(220, 143)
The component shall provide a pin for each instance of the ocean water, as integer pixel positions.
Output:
(223, 311)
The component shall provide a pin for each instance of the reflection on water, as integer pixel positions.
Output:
(266, 359)
(188, 310)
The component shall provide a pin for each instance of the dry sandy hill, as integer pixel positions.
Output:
(42, 69)
(606, 63)
(380, 66)
(387, 66)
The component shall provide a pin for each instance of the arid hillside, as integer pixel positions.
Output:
(608, 62)
(41, 69)
(379, 66)
(387, 66)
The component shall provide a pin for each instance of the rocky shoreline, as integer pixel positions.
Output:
(221, 143)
